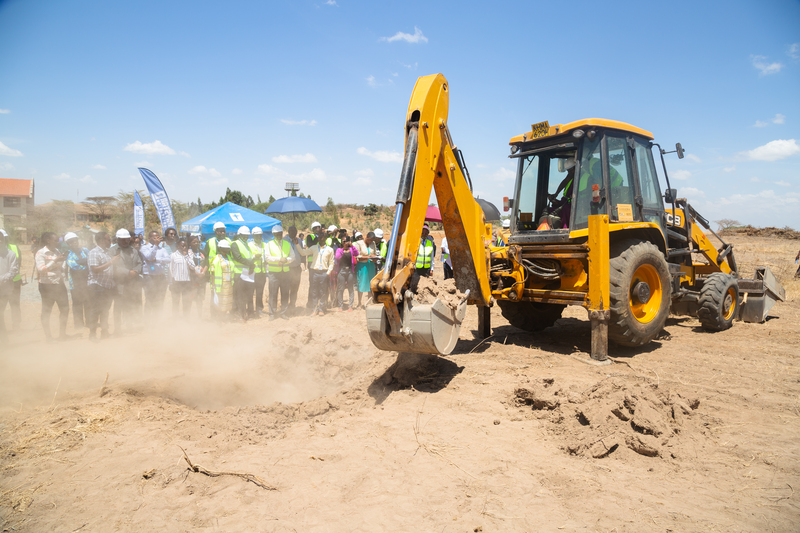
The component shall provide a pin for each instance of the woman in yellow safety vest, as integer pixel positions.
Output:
(221, 269)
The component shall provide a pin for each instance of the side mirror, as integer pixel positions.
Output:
(670, 195)
(680, 150)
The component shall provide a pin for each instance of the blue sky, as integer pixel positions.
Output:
(250, 95)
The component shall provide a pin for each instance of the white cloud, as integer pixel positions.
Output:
(236, 171)
(411, 67)
(692, 157)
(681, 175)
(331, 3)
(5, 111)
(153, 148)
(729, 169)
(61, 177)
(766, 199)
(760, 124)
(298, 158)
(98, 167)
(268, 169)
(418, 37)
(782, 183)
(366, 173)
(794, 51)
(503, 174)
(779, 119)
(87, 179)
(755, 179)
(6, 166)
(362, 182)
(773, 150)
(143, 164)
(299, 122)
(10, 152)
(690, 192)
(200, 169)
(764, 68)
(371, 81)
(184, 154)
(382, 156)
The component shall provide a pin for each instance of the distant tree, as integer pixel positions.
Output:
(726, 223)
(101, 206)
(371, 210)
(271, 199)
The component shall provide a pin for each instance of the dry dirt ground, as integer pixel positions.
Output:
(696, 432)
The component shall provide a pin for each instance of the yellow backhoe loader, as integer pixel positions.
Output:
(588, 227)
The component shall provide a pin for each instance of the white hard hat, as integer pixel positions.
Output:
(123, 234)
(277, 228)
(426, 226)
(332, 228)
(4, 232)
(315, 224)
(257, 231)
(243, 230)
(507, 223)
(69, 236)
(378, 233)
(358, 234)
(224, 243)
(219, 225)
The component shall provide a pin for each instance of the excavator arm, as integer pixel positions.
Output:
(396, 321)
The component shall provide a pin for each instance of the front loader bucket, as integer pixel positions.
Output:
(761, 293)
(426, 328)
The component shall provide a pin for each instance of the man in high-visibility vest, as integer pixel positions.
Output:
(212, 246)
(221, 270)
(257, 247)
(447, 261)
(425, 255)
(243, 274)
(279, 256)
(16, 285)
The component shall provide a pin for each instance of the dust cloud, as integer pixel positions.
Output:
(204, 365)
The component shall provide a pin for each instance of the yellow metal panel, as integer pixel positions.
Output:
(599, 284)
(616, 226)
(558, 129)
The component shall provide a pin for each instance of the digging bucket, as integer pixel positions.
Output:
(760, 294)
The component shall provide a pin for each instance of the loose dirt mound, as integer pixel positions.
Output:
(611, 415)
(429, 289)
(778, 233)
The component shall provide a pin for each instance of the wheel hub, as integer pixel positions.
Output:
(641, 292)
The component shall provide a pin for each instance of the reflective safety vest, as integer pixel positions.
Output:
(425, 254)
(383, 250)
(244, 249)
(14, 248)
(220, 271)
(311, 240)
(284, 250)
(258, 256)
(211, 248)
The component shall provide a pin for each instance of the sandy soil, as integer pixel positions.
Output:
(696, 432)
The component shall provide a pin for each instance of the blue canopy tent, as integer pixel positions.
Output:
(233, 216)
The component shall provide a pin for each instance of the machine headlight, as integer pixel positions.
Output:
(514, 149)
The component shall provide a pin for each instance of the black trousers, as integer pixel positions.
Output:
(100, 300)
(318, 289)
(243, 296)
(261, 281)
(278, 281)
(448, 271)
(54, 294)
(80, 305)
(128, 305)
(155, 289)
(13, 299)
(4, 296)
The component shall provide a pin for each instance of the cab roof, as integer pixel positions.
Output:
(559, 129)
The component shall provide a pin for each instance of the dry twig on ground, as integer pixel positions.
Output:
(248, 477)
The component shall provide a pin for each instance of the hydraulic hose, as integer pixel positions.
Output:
(403, 192)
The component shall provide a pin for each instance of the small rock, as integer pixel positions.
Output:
(646, 445)
(497, 422)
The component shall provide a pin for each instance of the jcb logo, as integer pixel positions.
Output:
(677, 220)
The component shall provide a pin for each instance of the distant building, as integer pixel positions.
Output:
(16, 205)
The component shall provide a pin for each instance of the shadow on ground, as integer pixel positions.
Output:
(424, 372)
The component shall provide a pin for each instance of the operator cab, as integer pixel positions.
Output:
(588, 167)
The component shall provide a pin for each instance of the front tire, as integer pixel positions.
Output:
(719, 302)
(640, 292)
(530, 316)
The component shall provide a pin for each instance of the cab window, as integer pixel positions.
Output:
(526, 196)
(590, 173)
(620, 180)
(648, 180)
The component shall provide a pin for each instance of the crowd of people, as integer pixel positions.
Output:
(129, 279)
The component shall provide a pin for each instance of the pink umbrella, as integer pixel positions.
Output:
(433, 214)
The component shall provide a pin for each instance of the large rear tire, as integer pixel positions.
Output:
(639, 293)
(719, 301)
(530, 316)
